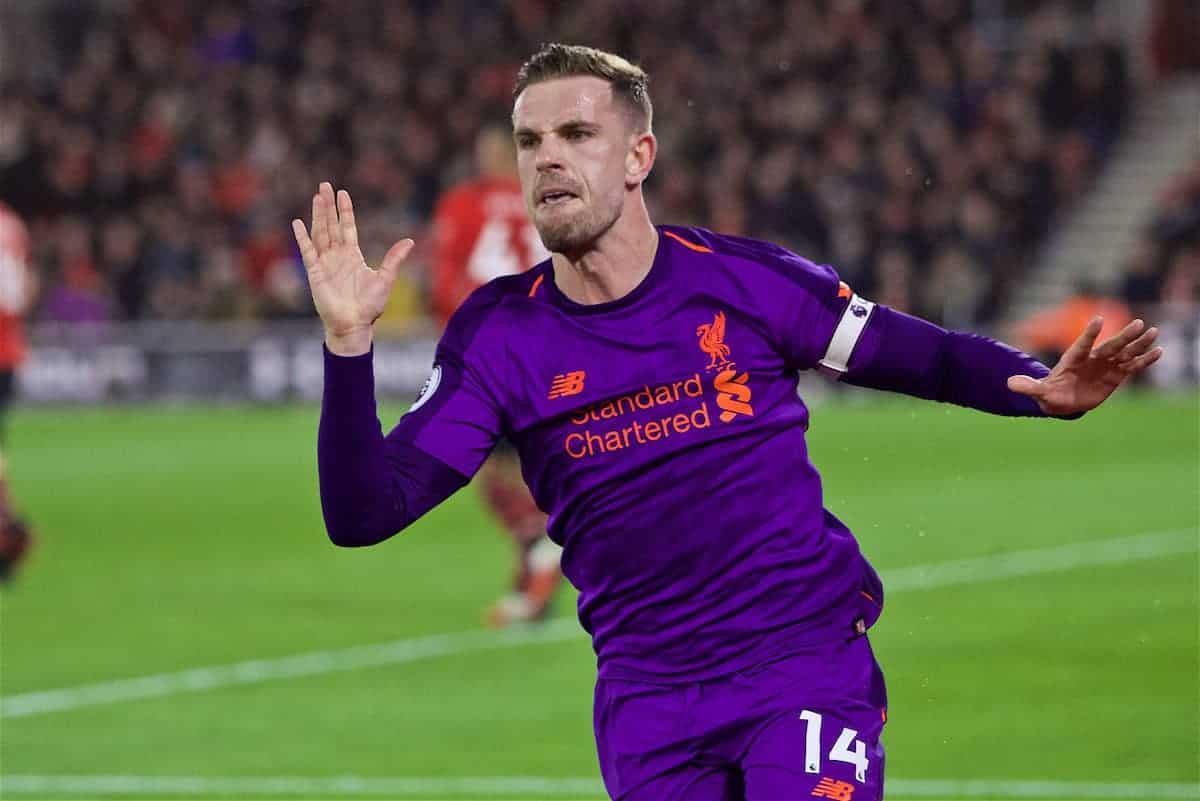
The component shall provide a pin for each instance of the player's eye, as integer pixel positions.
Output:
(525, 142)
(576, 135)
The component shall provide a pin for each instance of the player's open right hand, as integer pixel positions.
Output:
(348, 294)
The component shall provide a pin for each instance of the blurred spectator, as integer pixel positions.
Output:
(892, 139)
(1178, 316)
(1169, 247)
(1162, 278)
(1175, 30)
(77, 294)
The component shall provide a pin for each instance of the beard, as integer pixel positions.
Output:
(575, 231)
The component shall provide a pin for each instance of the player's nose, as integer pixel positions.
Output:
(548, 157)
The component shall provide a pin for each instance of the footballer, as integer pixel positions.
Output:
(646, 375)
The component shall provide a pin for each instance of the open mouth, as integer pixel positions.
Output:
(556, 198)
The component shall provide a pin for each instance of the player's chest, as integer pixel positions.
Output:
(695, 363)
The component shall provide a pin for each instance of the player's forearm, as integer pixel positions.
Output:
(371, 487)
(905, 354)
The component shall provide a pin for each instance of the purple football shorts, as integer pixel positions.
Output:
(803, 726)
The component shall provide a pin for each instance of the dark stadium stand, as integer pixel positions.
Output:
(160, 150)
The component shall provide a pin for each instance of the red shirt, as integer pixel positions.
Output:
(15, 286)
(480, 231)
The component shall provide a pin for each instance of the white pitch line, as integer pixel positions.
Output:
(920, 577)
(304, 786)
(1041, 560)
(1006, 788)
(260, 670)
(542, 786)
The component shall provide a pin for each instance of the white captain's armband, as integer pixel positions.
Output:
(845, 336)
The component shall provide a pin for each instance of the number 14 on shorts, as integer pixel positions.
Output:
(847, 748)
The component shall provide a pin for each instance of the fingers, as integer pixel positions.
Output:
(1142, 362)
(320, 230)
(1027, 385)
(349, 230)
(329, 207)
(307, 252)
(395, 257)
(1082, 347)
(1113, 345)
(1131, 352)
(1138, 346)
(333, 219)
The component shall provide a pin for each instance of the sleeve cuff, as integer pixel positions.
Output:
(349, 382)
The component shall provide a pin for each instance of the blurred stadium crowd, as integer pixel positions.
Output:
(1165, 267)
(159, 148)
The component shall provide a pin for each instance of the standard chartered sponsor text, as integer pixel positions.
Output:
(590, 442)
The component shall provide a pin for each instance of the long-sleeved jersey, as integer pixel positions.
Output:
(663, 434)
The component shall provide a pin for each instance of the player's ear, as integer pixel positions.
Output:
(640, 157)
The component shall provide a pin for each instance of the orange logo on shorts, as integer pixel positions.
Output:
(565, 384)
(833, 790)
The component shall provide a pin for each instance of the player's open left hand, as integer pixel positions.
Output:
(1085, 376)
(348, 294)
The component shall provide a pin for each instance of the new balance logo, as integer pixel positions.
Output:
(565, 384)
(833, 790)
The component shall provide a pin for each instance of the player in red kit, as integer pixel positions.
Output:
(482, 231)
(16, 293)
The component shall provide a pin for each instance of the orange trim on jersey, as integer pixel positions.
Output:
(868, 596)
(536, 284)
(687, 244)
(884, 713)
(844, 290)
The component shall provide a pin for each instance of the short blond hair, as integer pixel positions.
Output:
(630, 83)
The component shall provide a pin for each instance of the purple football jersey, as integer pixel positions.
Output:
(663, 434)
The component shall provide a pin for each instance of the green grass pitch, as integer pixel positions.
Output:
(180, 538)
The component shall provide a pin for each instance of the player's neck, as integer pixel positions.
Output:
(614, 266)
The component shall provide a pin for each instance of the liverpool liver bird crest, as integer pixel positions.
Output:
(712, 342)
